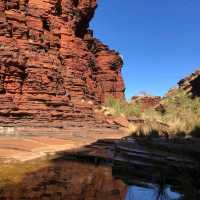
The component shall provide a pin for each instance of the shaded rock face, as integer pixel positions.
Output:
(191, 84)
(146, 102)
(50, 62)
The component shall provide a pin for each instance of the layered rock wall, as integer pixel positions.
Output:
(50, 64)
(191, 84)
(146, 102)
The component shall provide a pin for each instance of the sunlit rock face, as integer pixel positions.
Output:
(191, 84)
(146, 101)
(50, 62)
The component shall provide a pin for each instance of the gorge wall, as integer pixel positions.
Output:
(191, 84)
(51, 66)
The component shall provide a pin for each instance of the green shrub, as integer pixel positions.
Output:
(182, 113)
(123, 107)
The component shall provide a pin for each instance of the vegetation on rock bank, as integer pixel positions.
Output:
(178, 110)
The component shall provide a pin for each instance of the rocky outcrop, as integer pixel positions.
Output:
(51, 67)
(146, 102)
(191, 84)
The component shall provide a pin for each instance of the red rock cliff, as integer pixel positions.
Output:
(191, 84)
(146, 102)
(50, 62)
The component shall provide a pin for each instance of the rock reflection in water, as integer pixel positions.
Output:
(151, 193)
(66, 180)
(102, 171)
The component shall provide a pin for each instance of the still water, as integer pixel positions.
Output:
(151, 193)
(133, 174)
(65, 180)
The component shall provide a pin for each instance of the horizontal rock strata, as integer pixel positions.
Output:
(146, 102)
(51, 67)
(191, 84)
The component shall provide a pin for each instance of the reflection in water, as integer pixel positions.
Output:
(65, 180)
(92, 174)
(150, 193)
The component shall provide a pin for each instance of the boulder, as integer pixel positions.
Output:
(121, 121)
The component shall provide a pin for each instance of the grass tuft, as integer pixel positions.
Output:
(122, 107)
(182, 113)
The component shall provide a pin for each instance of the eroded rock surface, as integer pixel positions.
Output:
(191, 84)
(51, 67)
(146, 102)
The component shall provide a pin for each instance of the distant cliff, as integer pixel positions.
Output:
(146, 101)
(191, 84)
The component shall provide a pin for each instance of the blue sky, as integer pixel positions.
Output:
(159, 40)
